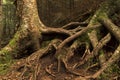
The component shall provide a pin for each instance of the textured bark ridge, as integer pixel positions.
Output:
(9, 22)
(35, 38)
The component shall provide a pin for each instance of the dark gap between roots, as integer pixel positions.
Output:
(78, 53)
(53, 36)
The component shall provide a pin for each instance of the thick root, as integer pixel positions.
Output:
(113, 58)
(115, 30)
(94, 53)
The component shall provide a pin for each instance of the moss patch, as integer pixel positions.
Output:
(110, 72)
(5, 61)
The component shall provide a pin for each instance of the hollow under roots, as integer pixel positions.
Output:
(73, 48)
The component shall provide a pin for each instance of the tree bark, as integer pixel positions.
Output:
(9, 21)
(31, 31)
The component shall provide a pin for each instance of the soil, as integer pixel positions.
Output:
(49, 67)
(50, 63)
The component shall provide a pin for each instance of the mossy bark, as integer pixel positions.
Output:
(29, 33)
(107, 9)
(30, 24)
(9, 21)
(29, 28)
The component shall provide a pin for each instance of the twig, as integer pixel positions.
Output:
(91, 66)
(71, 24)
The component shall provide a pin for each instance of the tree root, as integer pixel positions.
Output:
(116, 55)
(32, 62)
(100, 44)
(49, 71)
(113, 58)
(94, 41)
(59, 49)
(71, 25)
(93, 38)
(67, 56)
(115, 30)
(30, 35)
(55, 30)
(76, 35)
(96, 64)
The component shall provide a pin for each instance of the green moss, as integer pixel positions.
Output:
(103, 76)
(114, 69)
(8, 1)
(84, 38)
(9, 21)
(5, 61)
(102, 12)
(4, 68)
(45, 43)
(110, 72)
(13, 41)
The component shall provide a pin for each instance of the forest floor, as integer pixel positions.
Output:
(46, 66)
(48, 70)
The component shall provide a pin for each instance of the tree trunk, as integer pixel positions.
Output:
(9, 21)
(31, 34)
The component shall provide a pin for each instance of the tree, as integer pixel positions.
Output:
(31, 33)
(9, 21)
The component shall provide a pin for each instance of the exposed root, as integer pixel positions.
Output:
(87, 51)
(32, 62)
(23, 72)
(68, 53)
(94, 41)
(76, 35)
(49, 71)
(93, 38)
(55, 30)
(30, 35)
(59, 49)
(115, 30)
(71, 70)
(71, 25)
(80, 78)
(96, 64)
(100, 44)
(113, 58)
